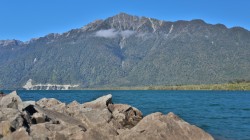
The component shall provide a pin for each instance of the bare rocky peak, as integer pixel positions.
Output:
(124, 22)
(6, 43)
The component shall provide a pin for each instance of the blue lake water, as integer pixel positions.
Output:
(224, 114)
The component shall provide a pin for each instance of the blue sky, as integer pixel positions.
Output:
(26, 19)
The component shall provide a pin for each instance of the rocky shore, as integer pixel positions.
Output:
(50, 119)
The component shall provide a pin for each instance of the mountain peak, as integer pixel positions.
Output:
(122, 49)
(122, 14)
(13, 42)
(127, 22)
(124, 21)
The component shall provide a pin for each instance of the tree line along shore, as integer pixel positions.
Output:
(226, 86)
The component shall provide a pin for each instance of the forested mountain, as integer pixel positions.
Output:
(126, 50)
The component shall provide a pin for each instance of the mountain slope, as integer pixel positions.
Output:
(126, 50)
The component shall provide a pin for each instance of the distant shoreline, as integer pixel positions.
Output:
(244, 86)
(226, 86)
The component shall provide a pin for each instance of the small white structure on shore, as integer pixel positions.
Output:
(30, 86)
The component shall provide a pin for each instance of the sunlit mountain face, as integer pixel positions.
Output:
(126, 50)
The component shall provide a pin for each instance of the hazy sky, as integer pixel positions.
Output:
(26, 19)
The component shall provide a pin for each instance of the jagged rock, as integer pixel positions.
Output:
(98, 116)
(99, 103)
(73, 104)
(11, 100)
(126, 115)
(20, 134)
(58, 136)
(99, 119)
(73, 108)
(56, 117)
(27, 103)
(54, 127)
(70, 131)
(13, 116)
(97, 111)
(90, 116)
(38, 118)
(6, 43)
(52, 104)
(5, 129)
(48, 103)
(40, 132)
(97, 134)
(159, 126)
(77, 136)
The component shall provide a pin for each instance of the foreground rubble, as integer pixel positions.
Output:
(50, 119)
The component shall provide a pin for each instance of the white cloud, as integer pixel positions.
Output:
(112, 33)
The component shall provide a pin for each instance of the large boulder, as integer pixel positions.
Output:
(73, 108)
(5, 129)
(52, 104)
(161, 127)
(95, 112)
(98, 134)
(73, 132)
(11, 100)
(40, 132)
(97, 116)
(58, 136)
(100, 103)
(20, 134)
(99, 119)
(126, 115)
(27, 103)
(54, 127)
(54, 116)
(13, 116)
(38, 118)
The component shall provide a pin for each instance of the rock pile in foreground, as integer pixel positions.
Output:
(50, 119)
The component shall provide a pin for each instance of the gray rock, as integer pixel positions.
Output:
(54, 127)
(20, 134)
(57, 117)
(72, 130)
(5, 129)
(11, 100)
(99, 119)
(99, 103)
(98, 116)
(13, 116)
(38, 118)
(52, 104)
(27, 103)
(98, 134)
(73, 108)
(58, 136)
(126, 115)
(40, 132)
(161, 127)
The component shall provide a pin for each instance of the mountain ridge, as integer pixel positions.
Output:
(85, 27)
(126, 50)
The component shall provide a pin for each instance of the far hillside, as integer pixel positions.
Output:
(128, 51)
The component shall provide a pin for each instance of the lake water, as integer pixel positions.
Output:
(224, 114)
